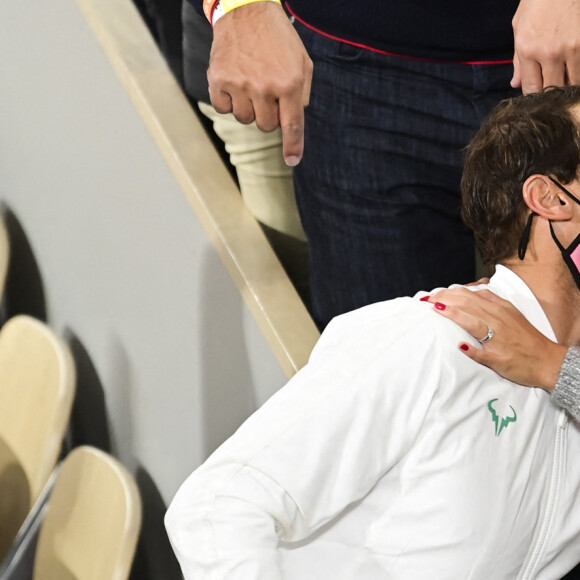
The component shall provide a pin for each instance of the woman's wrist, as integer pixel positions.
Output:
(550, 366)
(566, 393)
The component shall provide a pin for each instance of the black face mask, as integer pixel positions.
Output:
(571, 254)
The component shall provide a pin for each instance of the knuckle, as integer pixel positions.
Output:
(244, 118)
(288, 85)
(221, 108)
(266, 88)
(551, 54)
(215, 77)
(571, 48)
(525, 50)
(528, 48)
(293, 84)
(293, 128)
(267, 126)
(220, 104)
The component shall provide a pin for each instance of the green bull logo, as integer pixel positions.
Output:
(501, 422)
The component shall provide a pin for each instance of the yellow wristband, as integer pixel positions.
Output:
(221, 7)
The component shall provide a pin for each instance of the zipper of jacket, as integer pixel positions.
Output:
(537, 550)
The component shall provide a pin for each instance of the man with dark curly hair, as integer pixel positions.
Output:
(392, 455)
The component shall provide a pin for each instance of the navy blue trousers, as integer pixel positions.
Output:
(378, 187)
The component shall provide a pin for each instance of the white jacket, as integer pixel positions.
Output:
(391, 455)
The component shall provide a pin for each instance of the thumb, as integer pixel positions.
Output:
(479, 355)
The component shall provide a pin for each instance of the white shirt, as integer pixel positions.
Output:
(391, 455)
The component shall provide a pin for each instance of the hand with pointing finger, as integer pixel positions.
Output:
(259, 70)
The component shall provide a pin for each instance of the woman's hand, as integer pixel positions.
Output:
(517, 351)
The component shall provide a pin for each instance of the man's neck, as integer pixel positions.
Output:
(558, 295)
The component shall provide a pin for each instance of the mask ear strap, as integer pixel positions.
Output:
(560, 186)
(562, 249)
(524, 240)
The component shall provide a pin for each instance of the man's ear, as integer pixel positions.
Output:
(546, 199)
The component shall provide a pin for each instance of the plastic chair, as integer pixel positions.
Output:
(92, 521)
(37, 381)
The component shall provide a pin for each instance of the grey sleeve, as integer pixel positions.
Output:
(566, 394)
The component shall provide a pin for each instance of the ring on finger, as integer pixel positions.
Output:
(488, 336)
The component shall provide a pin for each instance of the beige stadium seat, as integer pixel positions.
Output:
(37, 383)
(92, 523)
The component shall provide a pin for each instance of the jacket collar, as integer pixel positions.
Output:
(508, 285)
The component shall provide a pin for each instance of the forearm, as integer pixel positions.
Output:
(221, 530)
(566, 394)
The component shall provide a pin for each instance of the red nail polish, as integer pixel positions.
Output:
(425, 298)
(464, 346)
(440, 306)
